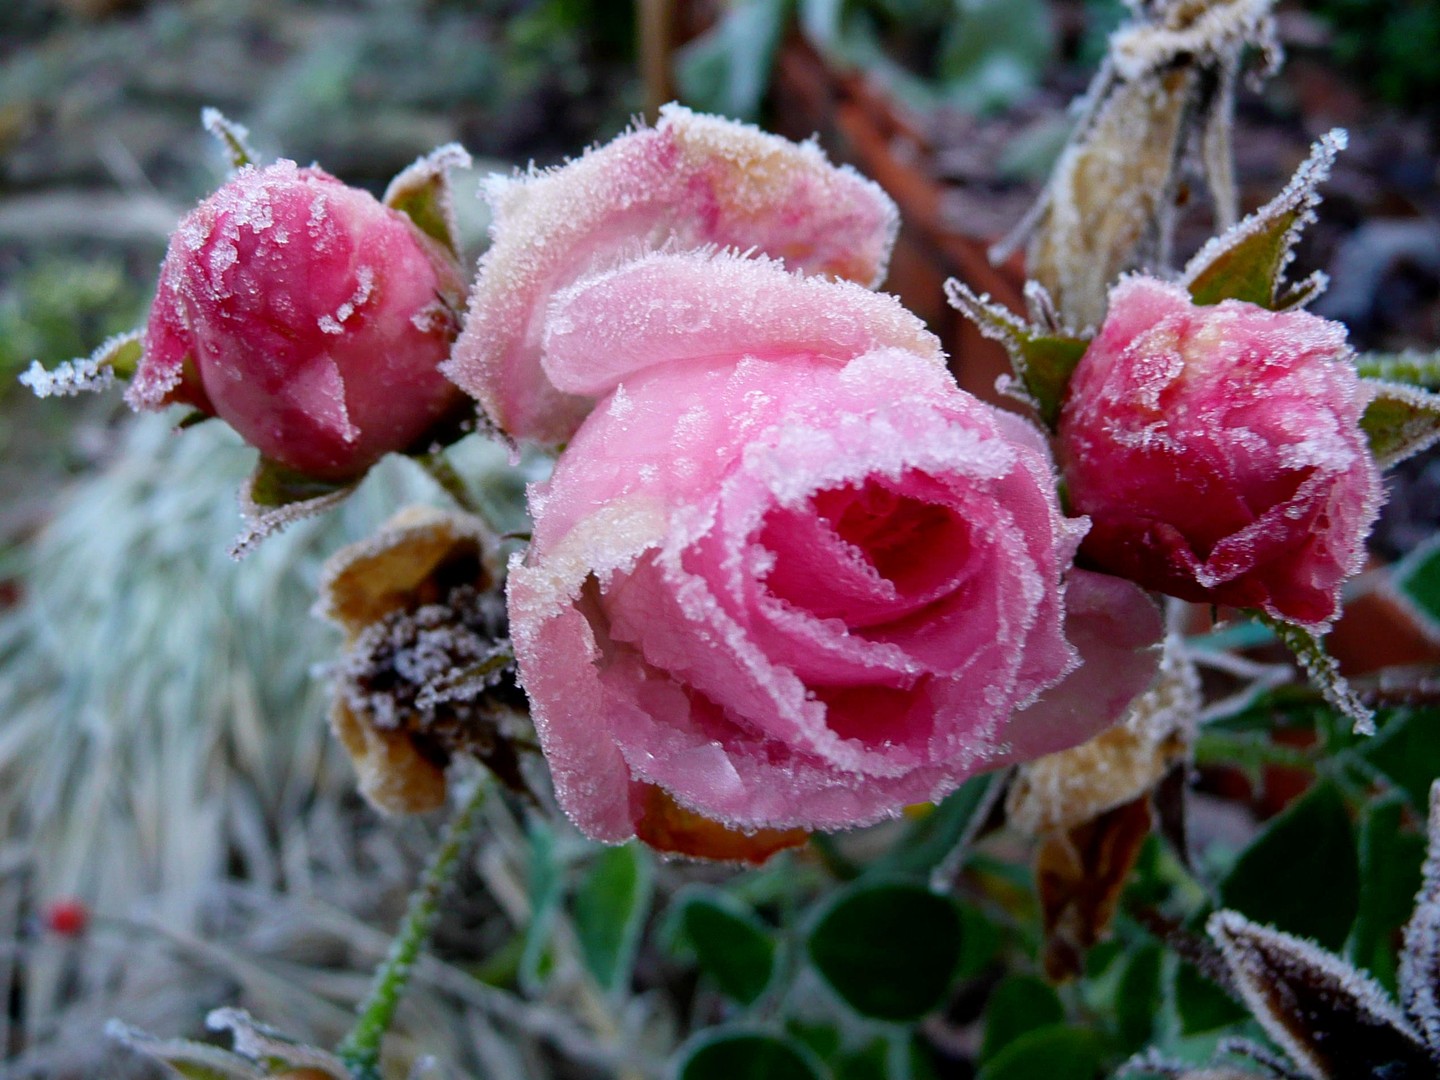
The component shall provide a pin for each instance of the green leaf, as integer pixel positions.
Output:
(1301, 873)
(1138, 996)
(1248, 261)
(275, 485)
(1390, 860)
(423, 193)
(731, 945)
(1055, 1052)
(730, 1054)
(979, 942)
(1411, 368)
(1043, 361)
(1417, 579)
(993, 52)
(543, 885)
(1018, 1005)
(823, 1039)
(889, 950)
(609, 910)
(1407, 750)
(1201, 1005)
(1399, 421)
(726, 70)
(870, 1062)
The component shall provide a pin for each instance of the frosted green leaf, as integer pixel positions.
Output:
(1400, 421)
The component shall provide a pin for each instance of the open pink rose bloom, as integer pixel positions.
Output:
(306, 315)
(787, 571)
(1218, 452)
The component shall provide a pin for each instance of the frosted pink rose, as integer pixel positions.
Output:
(692, 181)
(308, 316)
(1218, 452)
(789, 573)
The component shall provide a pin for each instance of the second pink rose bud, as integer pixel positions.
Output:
(1218, 453)
(307, 315)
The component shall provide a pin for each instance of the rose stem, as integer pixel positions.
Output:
(360, 1049)
(453, 484)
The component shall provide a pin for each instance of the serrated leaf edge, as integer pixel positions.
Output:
(1233, 933)
(1299, 197)
(1416, 435)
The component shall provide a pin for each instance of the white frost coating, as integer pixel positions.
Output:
(1300, 197)
(1139, 49)
(365, 285)
(1418, 431)
(68, 379)
(1262, 958)
(83, 375)
(1420, 959)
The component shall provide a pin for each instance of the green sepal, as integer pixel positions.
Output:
(231, 136)
(117, 357)
(1324, 673)
(275, 495)
(273, 486)
(423, 193)
(1043, 359)
(1400, 421)
(1247, 262)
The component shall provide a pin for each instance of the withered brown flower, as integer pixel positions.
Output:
(427, 672)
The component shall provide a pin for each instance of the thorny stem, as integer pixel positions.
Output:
(360, 1049)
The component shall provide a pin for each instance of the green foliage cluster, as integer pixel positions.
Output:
(976, 55)
(1391, 44)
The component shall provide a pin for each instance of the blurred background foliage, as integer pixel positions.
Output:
(235, 863)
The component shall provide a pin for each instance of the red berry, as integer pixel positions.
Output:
(67, 918)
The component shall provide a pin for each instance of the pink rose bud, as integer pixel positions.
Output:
(308, 316)
(787, 572)
(1218, 452)
(691, 182)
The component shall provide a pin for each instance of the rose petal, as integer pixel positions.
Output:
(693, 181)
(1116, 628)
(662, 307)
